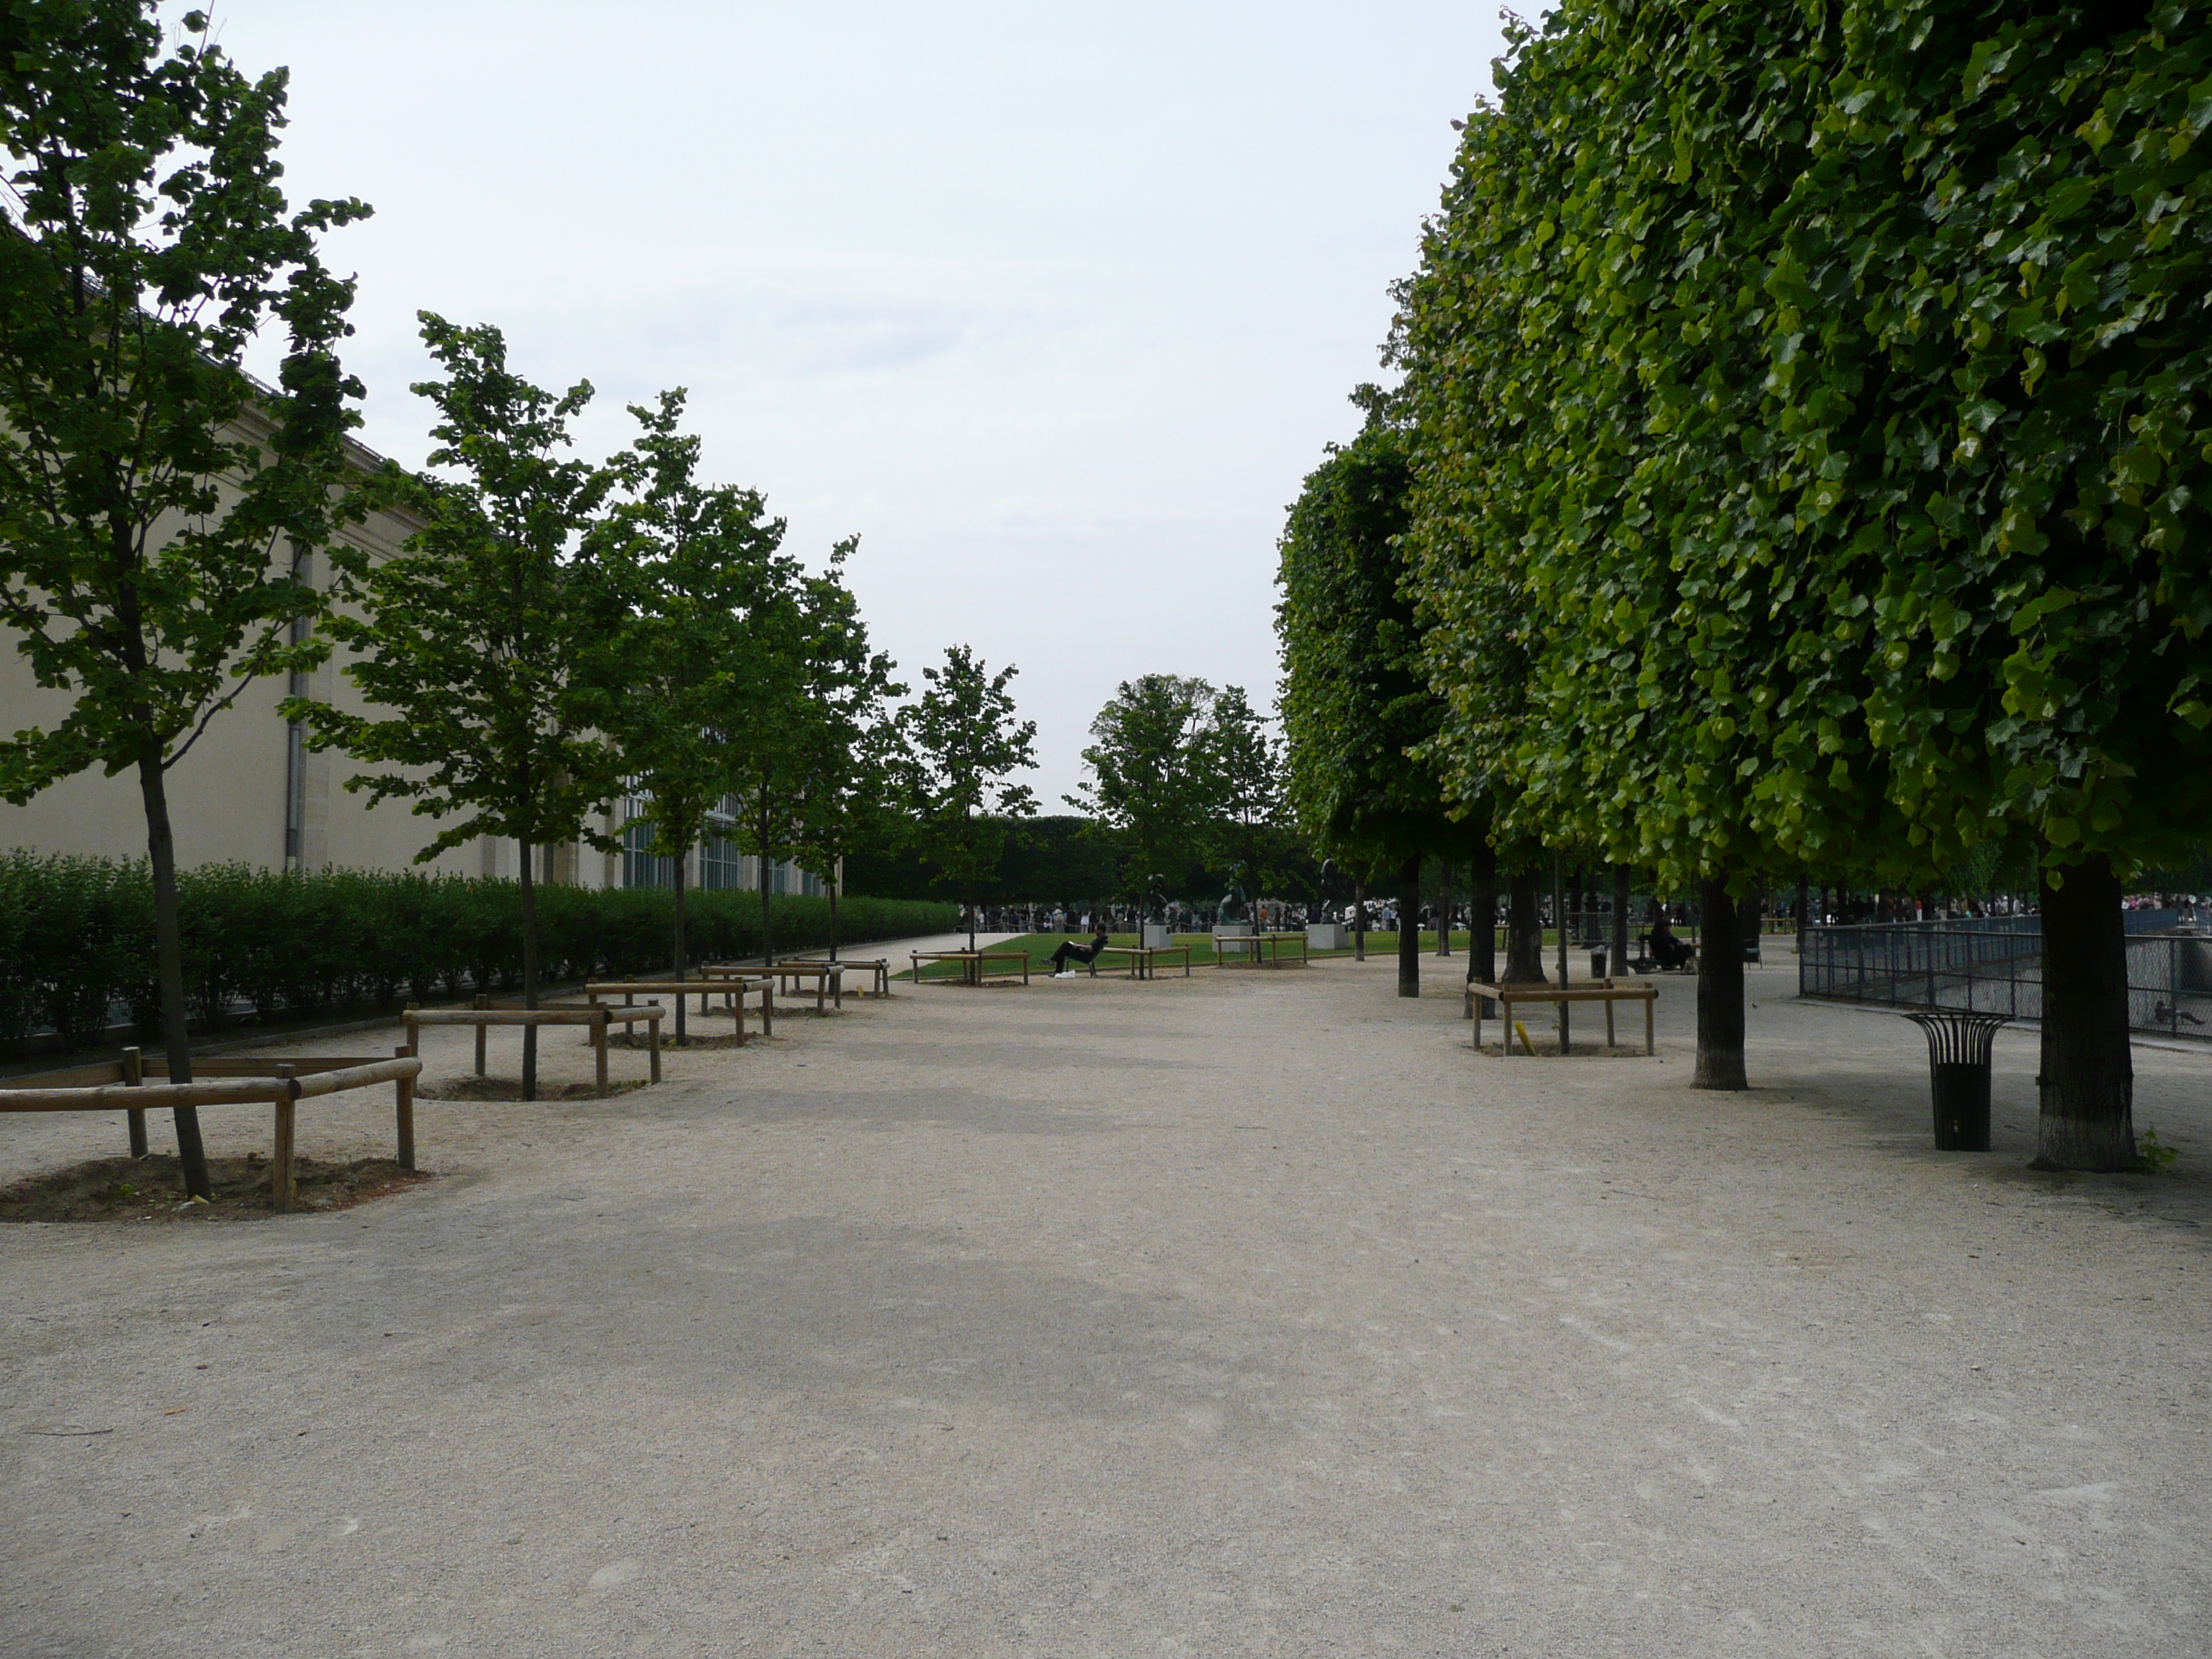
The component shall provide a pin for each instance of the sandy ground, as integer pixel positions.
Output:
(1250, 1314)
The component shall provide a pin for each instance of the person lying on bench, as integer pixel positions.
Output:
(1071, 951)
(1666, 949)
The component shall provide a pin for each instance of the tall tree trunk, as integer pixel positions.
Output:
(1358, 921)
(169, 963)
(1409, 928)
(679, 945)
(1482, 917)
(1720, 990)
(1618, 962)
(529, 971)
(2088, 1119)
(1525, 931)
(768, 917)
(1443, 911)
(837, 871)
(1804, 914)
(1559, 915)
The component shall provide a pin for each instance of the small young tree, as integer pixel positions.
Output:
(153, 501)
(1152, 783)
(766, 732)
(470, 641)
(963, 740)
(677, 570)
(1243, 764)
(847, 749)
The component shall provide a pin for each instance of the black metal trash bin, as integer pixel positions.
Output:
(1959, 1048)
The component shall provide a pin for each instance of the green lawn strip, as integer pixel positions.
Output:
(1041, 946)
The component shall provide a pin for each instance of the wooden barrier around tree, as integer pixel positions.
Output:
(281, 1084)
(598, 1018)
(734, 989)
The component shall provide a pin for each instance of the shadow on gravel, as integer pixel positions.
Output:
(124, 1189)
(817, 1309)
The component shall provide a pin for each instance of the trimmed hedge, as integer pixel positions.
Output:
(77, 938)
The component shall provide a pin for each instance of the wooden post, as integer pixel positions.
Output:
(402, 1094)
(413, 1032)
(652, 1040)
(767, 1008)
(599, 1043)
(1651, 1042)
(1608, 1013)
(1559, 915)
(482, 1031)
(280, 1152)
(738, 1003)
(134, 1073)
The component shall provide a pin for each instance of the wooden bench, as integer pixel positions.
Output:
(828, 979)
(1260, 950)
(598, 1018)
(975, 965)
(281, 1084)
(1565, 997)
(878, 967)
(732, 990)
(1143, 958)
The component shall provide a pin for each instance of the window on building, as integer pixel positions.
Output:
(642, 866)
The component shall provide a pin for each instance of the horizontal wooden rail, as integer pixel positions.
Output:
(148, 1097)
(511, 1016)
(598, 1018)
(281, 1087)
(1564, 996)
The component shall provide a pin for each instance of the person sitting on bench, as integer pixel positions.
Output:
(1071, 951)
(1666, 949)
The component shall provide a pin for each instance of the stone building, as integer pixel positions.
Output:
(250, 792)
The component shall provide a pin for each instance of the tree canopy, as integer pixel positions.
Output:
(156, 503)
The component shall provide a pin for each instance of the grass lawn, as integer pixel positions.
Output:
(1041, 946)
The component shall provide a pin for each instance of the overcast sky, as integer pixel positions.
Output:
(1053, 305)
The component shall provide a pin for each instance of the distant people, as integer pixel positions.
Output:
(1071, 951)
(1666, 949)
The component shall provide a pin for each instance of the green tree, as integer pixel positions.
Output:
(1358, 715)
(1985, 319)
(848, 750)
(154, 501)
(1819, 386)
(767, 734)
(962, 741)
(677, 569)
(471, 642)
(1245, 837)
(1153, 785)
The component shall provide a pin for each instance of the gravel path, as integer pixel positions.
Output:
(1249, 1313)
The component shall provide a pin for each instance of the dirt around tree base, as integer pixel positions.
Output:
(508, 1088)
(153, 1189)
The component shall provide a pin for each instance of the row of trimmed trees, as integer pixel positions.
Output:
(1185, 782)
(1797, 473)
(556, 634)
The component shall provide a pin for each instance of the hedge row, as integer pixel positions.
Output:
(76, 939)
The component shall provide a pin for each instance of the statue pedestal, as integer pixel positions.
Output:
(1233, 930)
(1327, 936)
(1156, 934)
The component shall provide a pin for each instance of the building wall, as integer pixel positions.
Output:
(243, 792)
(248, 792)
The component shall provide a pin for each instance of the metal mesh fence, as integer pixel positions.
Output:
(1994, 965)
